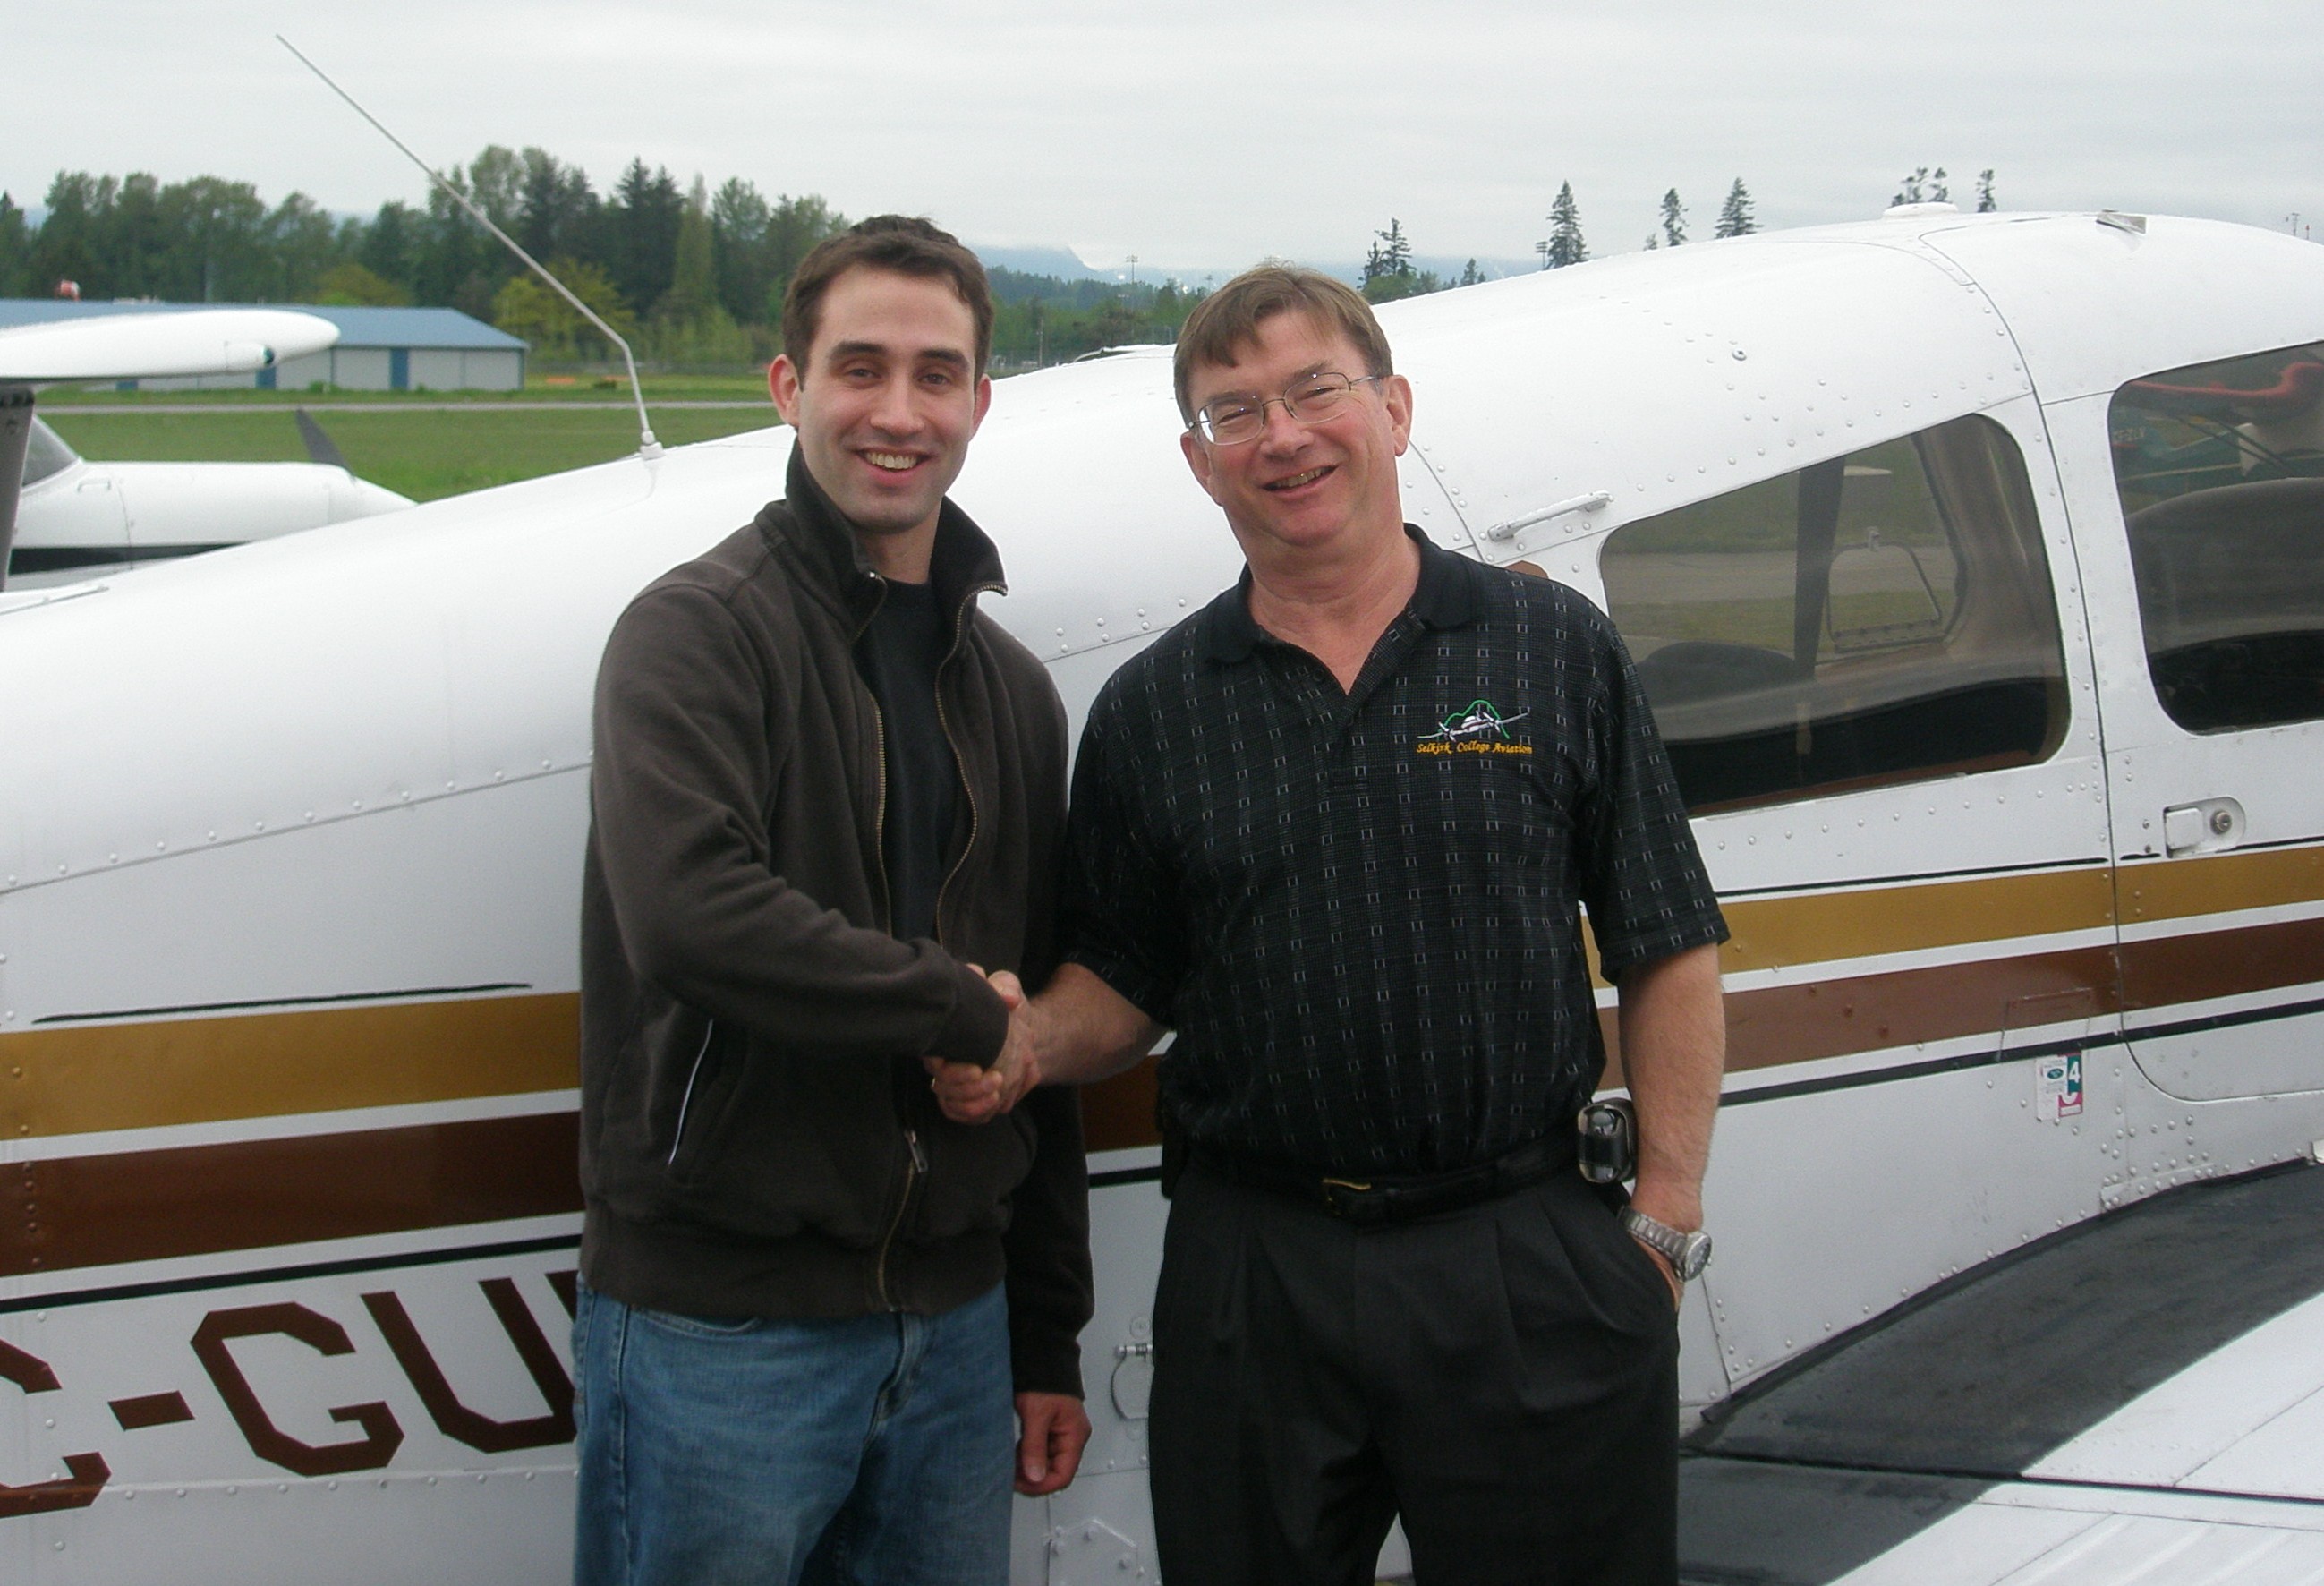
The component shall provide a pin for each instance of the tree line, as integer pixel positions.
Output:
(1388, 273)
(694, 277)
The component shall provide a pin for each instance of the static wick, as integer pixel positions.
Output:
(647, 447)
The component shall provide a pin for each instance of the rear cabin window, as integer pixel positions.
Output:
(1883, 617)
(46, 453)
(2221, 467)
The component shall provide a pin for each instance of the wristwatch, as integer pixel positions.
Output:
(1689, 1253)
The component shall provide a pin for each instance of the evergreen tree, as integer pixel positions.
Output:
(739, 218)
(794, 227)
(16, 251)
(1471, 275)
(691, 325)
(454, 263)
(1735, 215)
(1388, 262)
(1914, 189)
(646, 209)
(1388, 273)
(390, 248)
(1566, 244)
(66, 246)
(1938, 193)
(1985, 202)
(556, 211)
(1673, 219)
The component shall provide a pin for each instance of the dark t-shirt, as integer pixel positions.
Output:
(898, 654)
(1360, 910)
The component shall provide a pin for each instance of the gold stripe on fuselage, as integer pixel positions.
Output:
(155, 1074)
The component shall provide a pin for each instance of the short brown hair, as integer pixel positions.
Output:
(1229, 319)
(907, 245)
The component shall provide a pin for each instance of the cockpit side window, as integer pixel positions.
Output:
(46, 453)
(1882, 617)
(2221, 467)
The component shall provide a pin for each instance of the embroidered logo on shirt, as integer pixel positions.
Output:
(1478, 730)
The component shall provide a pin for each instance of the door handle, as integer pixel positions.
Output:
(2205, 826)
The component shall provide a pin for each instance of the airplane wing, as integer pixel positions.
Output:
(2141, 1397)
(133, 346)
(150, 346)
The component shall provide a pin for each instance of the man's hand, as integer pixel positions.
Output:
(970, 1095)
(1053, 1429)
(1670, 1273)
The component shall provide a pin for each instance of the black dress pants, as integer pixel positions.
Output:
(1504, 1376)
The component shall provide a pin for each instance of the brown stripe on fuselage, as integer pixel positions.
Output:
(2161, 970)
(84, 1078)
(203, 1200)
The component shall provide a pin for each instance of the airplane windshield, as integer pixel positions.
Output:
(1885, 616)
(46, 453)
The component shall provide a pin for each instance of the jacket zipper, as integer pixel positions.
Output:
(916, 1167)
(686, 1102)
(968, 791)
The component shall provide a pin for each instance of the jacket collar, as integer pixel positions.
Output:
(1444, 597)
(966, 561)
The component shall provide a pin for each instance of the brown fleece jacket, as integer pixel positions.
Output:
(758, 1138)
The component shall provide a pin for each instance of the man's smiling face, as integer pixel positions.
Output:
(1303, 486)
(886, 399)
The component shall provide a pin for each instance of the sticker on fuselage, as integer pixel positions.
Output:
(2058, 1087)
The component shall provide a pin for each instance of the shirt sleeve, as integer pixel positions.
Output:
(690, 732)
(1642, 875)
(1051, 1292)
(1120, 917)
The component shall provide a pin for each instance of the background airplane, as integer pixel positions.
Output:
(63, 517)
(1973, 566)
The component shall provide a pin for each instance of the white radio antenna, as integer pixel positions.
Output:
(647, 447)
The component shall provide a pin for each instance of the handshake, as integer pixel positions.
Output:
(970, 1095)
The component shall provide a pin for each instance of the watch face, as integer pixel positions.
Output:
(1693, 1255)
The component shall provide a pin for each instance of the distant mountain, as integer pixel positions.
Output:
(1062, 262)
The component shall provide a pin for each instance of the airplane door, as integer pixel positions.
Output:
(1873, 678)
(2199, 499)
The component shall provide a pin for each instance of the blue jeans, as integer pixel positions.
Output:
(869, 1450)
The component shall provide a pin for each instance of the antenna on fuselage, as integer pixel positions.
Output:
(647, 447)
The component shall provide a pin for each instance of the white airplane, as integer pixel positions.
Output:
(1975, 568)
(77, 519)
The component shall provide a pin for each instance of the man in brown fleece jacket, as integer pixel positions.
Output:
(827, 793)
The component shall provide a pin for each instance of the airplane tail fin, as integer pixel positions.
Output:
(318, 444)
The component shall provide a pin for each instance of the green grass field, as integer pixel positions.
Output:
(578, 388)
(423, 454)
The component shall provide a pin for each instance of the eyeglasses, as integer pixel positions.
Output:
(1231, 420)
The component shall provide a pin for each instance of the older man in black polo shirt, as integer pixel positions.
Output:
(1334, 829)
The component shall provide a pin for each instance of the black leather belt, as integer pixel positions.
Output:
(1396, 1199)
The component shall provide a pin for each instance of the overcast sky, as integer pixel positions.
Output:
(1210, 133)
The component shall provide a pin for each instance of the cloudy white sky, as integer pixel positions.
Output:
(1208, 132)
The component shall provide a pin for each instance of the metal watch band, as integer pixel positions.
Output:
(1689, 1253)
